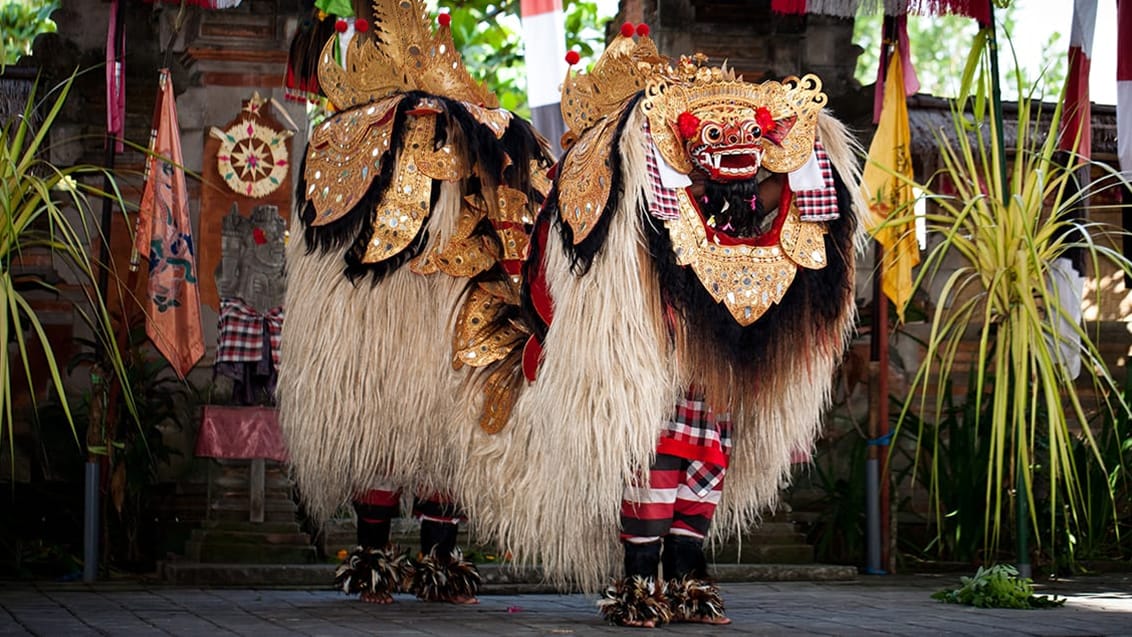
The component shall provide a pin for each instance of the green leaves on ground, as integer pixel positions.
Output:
(997, 587)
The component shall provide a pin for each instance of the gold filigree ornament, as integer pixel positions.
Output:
(465, 255)
(345, 156)
(400, 54)
(586, 178)
(480, 339)
(496, 119)
(404, 206)
(501, 391)
(512, 206)
(717, 95)
(747, 279)
(624, 68)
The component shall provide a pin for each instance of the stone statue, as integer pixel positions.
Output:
(251, 265)
(251, 286)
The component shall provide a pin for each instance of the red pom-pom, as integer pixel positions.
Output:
(259, 236)
(340, 26)
(572, 57)
(444, 19)
(361, 26)
(642, 29)
(764, 119)
(627, 29)
(688, 124)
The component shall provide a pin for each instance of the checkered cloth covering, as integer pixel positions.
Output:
(696, 427)
(821, 204)
(663, 204)
(241, 328)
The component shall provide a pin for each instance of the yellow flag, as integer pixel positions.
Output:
(890, 154)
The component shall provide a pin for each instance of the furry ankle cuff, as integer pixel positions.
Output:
(440, 579)
(633, 601)
(693, 599)
(370, 570)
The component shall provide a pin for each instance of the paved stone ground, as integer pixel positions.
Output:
(896, 605)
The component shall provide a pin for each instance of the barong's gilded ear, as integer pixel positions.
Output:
(400, 54)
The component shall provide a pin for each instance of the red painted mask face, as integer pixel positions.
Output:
(729, 150)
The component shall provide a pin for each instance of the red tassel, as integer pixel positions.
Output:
(788, 7)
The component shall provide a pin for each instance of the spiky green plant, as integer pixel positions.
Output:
(35, 197)
(1005, 224)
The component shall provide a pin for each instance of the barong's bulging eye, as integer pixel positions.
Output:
(712, 133)
(751, 132)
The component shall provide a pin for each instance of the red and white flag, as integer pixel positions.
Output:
(544, 41)
(165, 239)
(977, 9)
(1076, 117)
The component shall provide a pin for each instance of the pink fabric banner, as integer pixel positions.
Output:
(911, 82)
(238, 433)
(977, 9)
(165, 238)
(1124, 85)
(115, 79)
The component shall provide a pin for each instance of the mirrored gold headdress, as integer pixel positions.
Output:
(624, 69)
(630, 65)
(400, 54)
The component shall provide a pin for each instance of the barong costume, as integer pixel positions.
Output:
(445, 334)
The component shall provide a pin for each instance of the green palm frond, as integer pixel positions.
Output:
(36, 198)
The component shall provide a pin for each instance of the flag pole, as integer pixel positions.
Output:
(877, 514)
(96, 435)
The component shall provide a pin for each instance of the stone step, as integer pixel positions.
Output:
(242, 492)
(240, 514)
(249, 537)
(775, 533)
(238, 481)
(235, 503)
(216, 552)
(244, 526)
(749, 553)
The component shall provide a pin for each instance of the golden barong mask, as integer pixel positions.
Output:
(706, 119)
(729, 128)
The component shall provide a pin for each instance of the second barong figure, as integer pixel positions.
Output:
(459, 326)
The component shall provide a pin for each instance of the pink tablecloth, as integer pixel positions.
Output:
(240, 432)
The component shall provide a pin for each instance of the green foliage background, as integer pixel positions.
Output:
(20, 22)
(939, 47)
(494, 55)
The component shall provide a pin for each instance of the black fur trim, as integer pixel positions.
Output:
(507, 159)
(815, 298)
(634, 600)
(443, 578)
(582, 255)
(370, 570)
(305, 51)
(524, 146)
(693, 599)
(733, 200)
